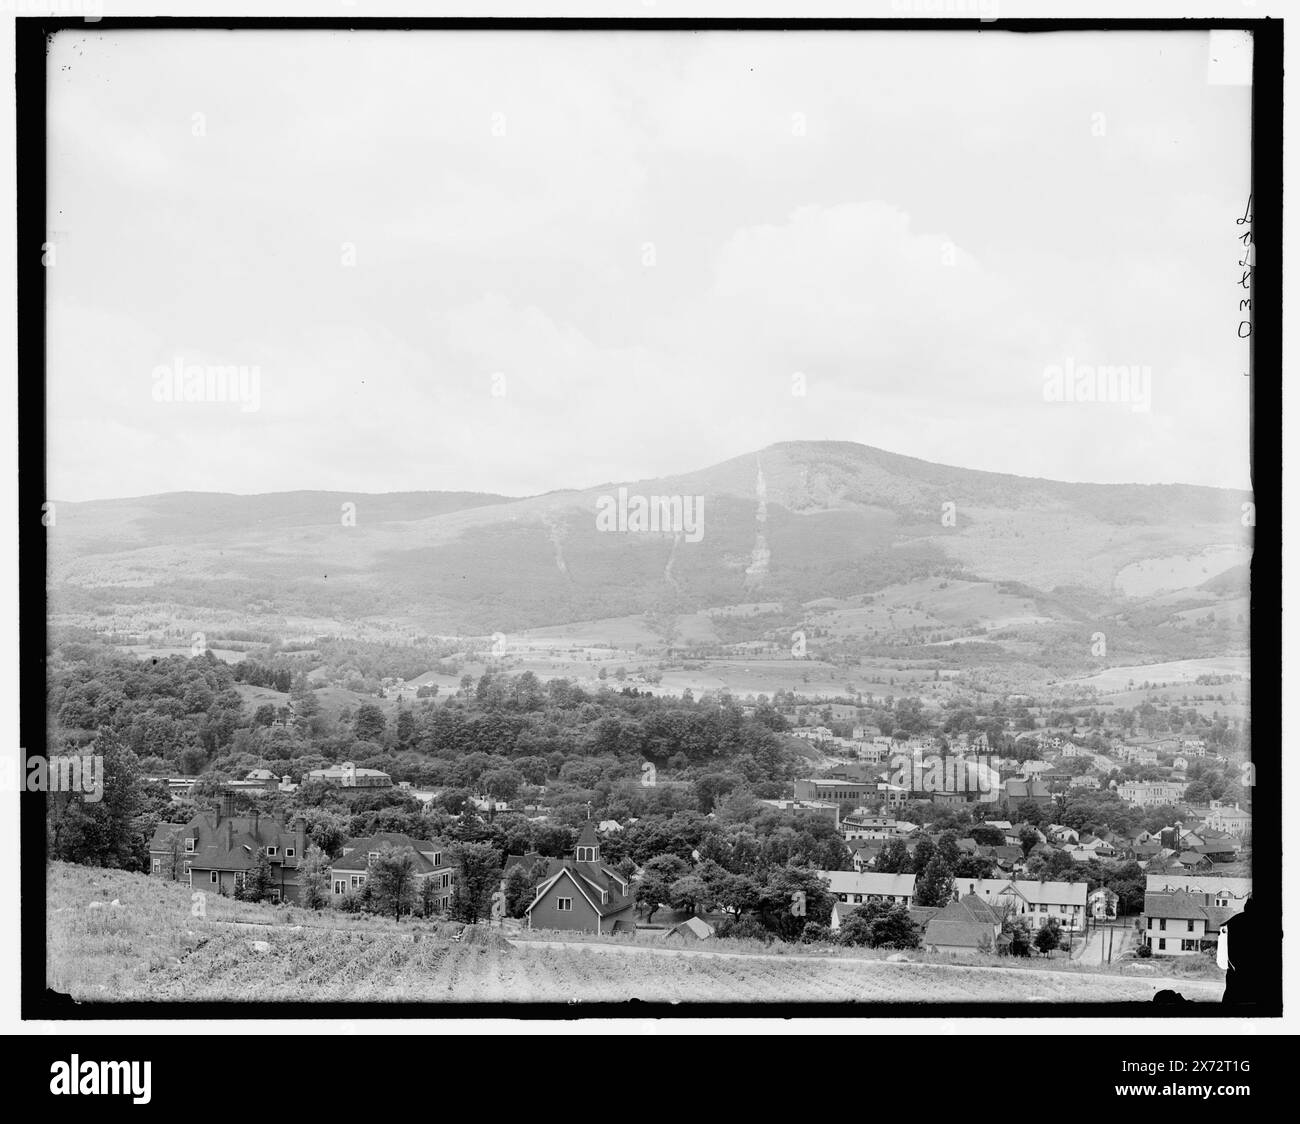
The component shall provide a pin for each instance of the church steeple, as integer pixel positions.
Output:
(588, 846)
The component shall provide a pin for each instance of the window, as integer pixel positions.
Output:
(372, 855)
(189, 846)
(340, 886)
(1189, 946)
(289, 852)
(564, 904)
(157, 865)
(275, 895)
(1162, 944)
(358, 880)
(212, 876)
(437, 858)
(272, 851)
(1162, 925)
(1191, 926)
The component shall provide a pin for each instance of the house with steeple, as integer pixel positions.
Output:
(583, 893)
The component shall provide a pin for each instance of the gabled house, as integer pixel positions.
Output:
(432, 863)
(1103, 905)
(1143, 852)
(1008, 858)
(1100, 848)
(964, 925)
(1181, 922)
(862, 854)
(1034, 901)
(1026, 790)
(219, 851)
(583, 893)
(854, 889)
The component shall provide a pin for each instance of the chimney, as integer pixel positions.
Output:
(230, 833)
(300, 839)
(255, 819)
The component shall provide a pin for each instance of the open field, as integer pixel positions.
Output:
(152, 947)
(1176, 673)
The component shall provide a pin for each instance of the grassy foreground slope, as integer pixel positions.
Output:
(151, 947)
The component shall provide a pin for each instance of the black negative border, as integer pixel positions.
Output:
(30, 38)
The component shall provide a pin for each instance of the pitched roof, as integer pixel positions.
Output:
(590, 879)
(959, 934)
(1176, 905)
(232, 843)
(588, 836)
(970, 908)
(1204, 884)
(692, 926)
(166, 836)
(1031, 889)
(358, 851)
(526, 860)
(852, 882)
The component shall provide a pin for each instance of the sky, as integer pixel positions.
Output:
(525, 261)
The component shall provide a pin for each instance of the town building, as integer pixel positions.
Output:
(857, 888)
(1152, 794)
(1020, 791)
(347, 775)
(432, 864)
(1231, 821)
(219, 851)
(964, 926)
(821, 809)
(1181, 923)
(583, 893)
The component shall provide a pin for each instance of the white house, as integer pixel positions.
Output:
(857, 888)
(1033, 901)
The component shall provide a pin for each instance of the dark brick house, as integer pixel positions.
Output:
(583, 893)
(218, 851)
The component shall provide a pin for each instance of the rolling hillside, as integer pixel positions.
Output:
(870, 536)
